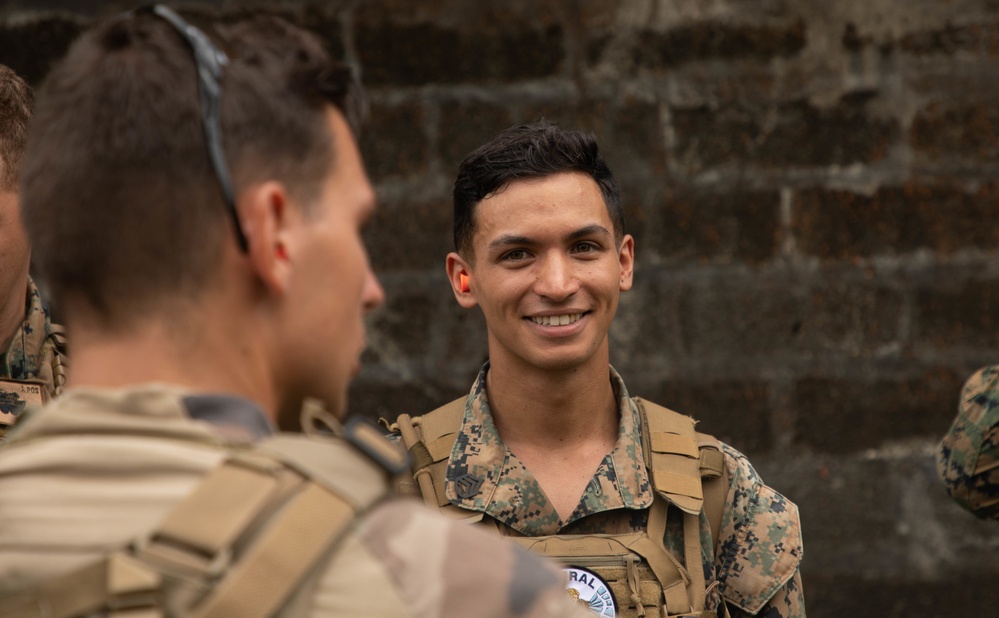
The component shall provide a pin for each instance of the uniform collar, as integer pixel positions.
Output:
(20, 360)
(156, 409)
(484, 476)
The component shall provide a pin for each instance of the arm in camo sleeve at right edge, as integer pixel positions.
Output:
(760, 547)
(968, 457)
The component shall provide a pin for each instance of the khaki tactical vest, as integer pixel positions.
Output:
(687, 470)
(246, 542)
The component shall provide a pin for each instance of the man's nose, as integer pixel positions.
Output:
(374, 294)
(556, 278)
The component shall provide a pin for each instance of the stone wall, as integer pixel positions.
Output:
(811, 185)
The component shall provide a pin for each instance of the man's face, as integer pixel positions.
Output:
(333, 285)
(15, 252)
(547, 273)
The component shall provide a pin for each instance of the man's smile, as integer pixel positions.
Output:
(557, 320)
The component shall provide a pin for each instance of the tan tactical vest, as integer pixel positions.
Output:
(687, 470)
(246, 542)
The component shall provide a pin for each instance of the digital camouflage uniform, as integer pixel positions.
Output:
(757, 558)
(99, 468)
(968, 457)
(37, 352)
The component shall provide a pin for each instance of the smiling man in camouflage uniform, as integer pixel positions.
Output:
(32, 350)
(968, 457)
(549, 449)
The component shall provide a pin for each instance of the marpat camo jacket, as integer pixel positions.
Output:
(756, 565)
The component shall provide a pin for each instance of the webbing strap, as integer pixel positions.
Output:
(670, 573)
(712, 461)
(429, 441)
(234, 494)
(275, 564)
(118, 580)
(714, 483)
(421, 469)
(420, 455)
(692, 558)
(58, 362)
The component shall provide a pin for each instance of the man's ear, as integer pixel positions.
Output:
(267, 215)
(626, 257)
(459, 273)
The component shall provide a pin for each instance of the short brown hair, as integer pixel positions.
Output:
(15, 111)
(120, 200)
(534, 150)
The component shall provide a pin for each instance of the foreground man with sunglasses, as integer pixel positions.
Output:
(214, 294)
(650, 517)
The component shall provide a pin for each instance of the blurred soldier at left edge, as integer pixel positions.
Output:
(32, 349)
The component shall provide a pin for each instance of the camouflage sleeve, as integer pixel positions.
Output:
(447, 568)
(760, 549)
(788, 601)
(968, 456)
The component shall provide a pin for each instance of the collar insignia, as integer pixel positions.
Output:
(467, 486)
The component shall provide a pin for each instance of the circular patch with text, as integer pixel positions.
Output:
(591, 592)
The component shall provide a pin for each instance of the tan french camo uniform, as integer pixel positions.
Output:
(98, 469)
(755, 567)
(33, 367)
(968, 457)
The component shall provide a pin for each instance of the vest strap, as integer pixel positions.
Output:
(240, 544)
(234, 493)
(672, 455)
(421, 461)
(714, 483)
(429, 440)
(118, 581)
(276, 563)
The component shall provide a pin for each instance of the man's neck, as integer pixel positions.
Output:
(557, 408)
(559, 424)
(12, 312)
(213, 360)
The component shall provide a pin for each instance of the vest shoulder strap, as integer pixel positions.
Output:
(429, 439)
(679, 458)
(58, 362)
(714, 482)
(272, 521)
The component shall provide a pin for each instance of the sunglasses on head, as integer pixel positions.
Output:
(211, 62)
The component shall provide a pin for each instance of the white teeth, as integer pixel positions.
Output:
(557, 320)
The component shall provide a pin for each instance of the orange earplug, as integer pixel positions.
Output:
(464, 282)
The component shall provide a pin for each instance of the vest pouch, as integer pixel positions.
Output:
(634, 586)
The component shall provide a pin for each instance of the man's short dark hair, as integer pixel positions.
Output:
(15, 111)
(528, 151)
(120, 200)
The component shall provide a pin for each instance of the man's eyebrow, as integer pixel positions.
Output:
(510, 239)
(590, 230)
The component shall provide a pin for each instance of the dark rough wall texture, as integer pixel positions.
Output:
(812, 186)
